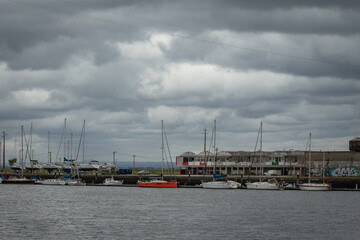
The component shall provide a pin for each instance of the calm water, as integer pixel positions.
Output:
(69, 212)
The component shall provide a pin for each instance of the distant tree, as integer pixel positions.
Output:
(12, 161)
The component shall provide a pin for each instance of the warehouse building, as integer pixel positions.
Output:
(286, 162)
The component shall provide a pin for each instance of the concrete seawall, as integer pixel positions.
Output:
(336, 182)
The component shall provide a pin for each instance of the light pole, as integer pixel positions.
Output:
(114, 158)
(134, 163)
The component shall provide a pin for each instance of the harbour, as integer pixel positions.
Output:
(92, 212)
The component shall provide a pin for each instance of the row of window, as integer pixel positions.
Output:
(275, 160)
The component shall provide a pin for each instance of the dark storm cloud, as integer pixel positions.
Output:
(125, 65)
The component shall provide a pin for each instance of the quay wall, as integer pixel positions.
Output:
(336, 182)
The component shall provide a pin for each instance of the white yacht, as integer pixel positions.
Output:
(229, 184)
(271, 184)
(112, 182)
(52, 182)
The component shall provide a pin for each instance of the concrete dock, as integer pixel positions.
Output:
(195, 180)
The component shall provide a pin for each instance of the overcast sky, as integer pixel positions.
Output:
(123, 66)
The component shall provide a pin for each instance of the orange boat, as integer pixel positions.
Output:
(158, 184)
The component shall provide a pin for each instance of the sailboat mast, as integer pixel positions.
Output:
(49, 154)
(22, 151)
(31, 154)
(309, 157)
(323, 170)
(83, 153)
(65, 137)
(261, 163)
(215, 150)
(204, 151)
(162, 150)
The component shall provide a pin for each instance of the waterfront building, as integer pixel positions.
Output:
(284, 162)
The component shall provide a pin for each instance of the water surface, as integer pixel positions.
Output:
(70, 212)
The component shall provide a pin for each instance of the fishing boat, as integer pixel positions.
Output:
(112, 182)
(160, 182)
(311, 186)
(270, 184)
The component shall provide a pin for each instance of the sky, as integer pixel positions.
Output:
(123, 66)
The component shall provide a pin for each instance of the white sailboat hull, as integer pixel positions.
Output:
(74, 183)
(221, 185)
(112, 182)
(52, 182)
(314, 187)
(262, 186)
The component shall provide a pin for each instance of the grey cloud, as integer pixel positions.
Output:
(66, 52)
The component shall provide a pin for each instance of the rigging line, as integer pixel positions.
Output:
(81, 138)
(126, 154)
(213, 42)
(61, 139)
(253, 158)
(168, 147)
(195, 31)
(82, 15)
(27, 154)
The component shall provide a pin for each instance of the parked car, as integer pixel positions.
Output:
(143, 172)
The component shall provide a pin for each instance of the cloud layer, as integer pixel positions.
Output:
(125, 66)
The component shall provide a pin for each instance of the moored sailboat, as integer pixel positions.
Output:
(311, 186)
(52, 182)
(18, 180)
(218, 181)
(222, 184)
(160, 182)
(271, 184)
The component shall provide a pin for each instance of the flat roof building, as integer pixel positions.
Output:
(287, 162)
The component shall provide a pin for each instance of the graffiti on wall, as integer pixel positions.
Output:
(344, 172)
(318, 172)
